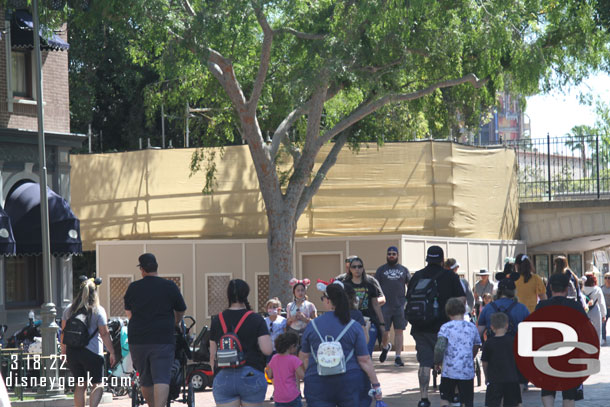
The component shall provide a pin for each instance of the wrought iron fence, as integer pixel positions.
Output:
(563, 168)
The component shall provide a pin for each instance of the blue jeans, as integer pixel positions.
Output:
(294, 403)
(342, 390)
(605, 322)
(372, 338)
(244, 383)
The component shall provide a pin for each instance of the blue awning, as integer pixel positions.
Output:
(23, 207)
(22, 27)
(7, 240)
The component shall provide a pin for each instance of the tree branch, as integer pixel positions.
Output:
(263, 67)
(222, 69)
(299, 34)
(186, 5)
(320, 176)
(282, 130)
(366, 108)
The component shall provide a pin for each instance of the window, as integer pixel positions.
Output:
(541, 264)
(22, 74)
(575, 263)
(23, 287)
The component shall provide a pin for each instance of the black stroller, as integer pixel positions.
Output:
(179, 389)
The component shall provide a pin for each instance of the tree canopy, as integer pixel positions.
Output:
(289, 76)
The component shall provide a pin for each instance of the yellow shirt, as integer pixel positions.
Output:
(528, 293)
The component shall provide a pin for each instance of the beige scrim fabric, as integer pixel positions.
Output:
(421, 188)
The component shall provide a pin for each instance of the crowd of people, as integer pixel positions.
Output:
(331, 350)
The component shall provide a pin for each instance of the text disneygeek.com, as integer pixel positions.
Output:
(62, 383)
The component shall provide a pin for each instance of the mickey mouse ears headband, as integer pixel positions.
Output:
(83, 281)
(321, 284)
(305, 282)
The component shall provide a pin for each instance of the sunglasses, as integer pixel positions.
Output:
(356, 266)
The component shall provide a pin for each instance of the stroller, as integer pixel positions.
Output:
(200, 373)
(179, 389)
(119, 375)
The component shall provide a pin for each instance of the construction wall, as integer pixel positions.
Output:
(419, 188)
(203, 268)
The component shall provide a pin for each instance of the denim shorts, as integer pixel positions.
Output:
(342, 390)
(294, 403)
(245, 383)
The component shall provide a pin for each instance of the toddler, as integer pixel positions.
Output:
(285, 368)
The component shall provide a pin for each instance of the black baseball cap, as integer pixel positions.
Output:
(148, 262)
(435, 254)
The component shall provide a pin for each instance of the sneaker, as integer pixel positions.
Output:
(384, 353)
(423, 403)
(398, 362)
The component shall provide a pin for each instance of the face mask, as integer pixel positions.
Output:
(272, 311)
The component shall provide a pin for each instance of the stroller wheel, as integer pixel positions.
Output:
(198, 381)
(190, 396)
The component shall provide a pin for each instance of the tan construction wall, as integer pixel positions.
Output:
(202, 268)
(420, 188)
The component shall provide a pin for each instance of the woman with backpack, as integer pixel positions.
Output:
(335, 355)
(596, 303)
(239, 344)
(83, 330)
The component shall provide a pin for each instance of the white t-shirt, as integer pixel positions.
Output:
(307, 308)
(461, 336)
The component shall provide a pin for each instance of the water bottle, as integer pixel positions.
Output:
(435, 308)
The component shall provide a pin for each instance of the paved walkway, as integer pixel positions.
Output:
(400, 387)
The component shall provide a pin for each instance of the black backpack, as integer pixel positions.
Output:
(423, 306)
(76, 331)
(512, 327)
(230, 353)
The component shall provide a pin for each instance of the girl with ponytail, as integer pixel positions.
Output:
(246, 383)
(89, 360)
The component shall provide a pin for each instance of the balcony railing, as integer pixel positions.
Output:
(563, 168)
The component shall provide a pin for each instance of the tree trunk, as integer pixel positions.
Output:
(280, 242)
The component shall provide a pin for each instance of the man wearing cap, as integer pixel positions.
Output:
(393, 278)
(559, 283)
(154, 307)
(425, 332)
(482, 287)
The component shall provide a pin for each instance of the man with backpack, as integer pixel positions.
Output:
(506, 303)
(154, 306)
(427, 294)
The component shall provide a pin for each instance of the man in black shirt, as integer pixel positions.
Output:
(559, 284)
(154, 307)
(424, 333)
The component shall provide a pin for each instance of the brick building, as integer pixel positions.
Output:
(21, 287)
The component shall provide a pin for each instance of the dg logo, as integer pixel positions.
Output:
(557, 348)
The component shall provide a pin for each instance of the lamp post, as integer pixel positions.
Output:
(49, 327)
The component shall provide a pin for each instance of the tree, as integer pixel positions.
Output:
(305, 73)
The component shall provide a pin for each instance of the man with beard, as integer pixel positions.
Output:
(393, 278)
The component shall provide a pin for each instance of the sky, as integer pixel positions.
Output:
(556, 113)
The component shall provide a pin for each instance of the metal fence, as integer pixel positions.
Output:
(563, 168)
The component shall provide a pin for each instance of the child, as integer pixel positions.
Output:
(285, 368)
(300, 311)
(457, 345)
(499, 365)
(275, 322)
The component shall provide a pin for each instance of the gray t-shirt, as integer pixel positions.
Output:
(393, 279)
(98, 318)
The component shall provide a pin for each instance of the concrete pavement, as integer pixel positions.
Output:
(400, 387)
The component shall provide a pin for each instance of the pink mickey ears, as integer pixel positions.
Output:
(304, 281)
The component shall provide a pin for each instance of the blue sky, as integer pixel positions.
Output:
(557, 112)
